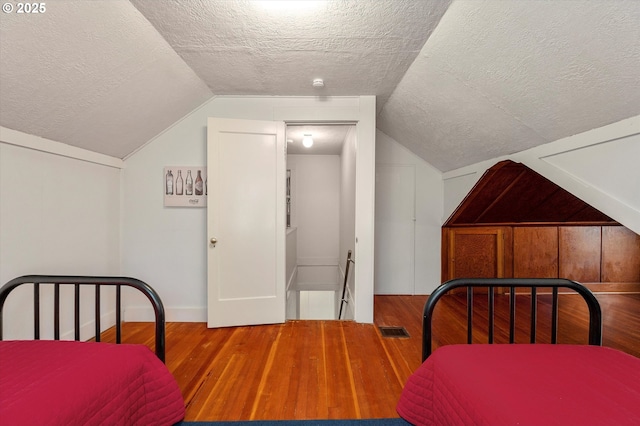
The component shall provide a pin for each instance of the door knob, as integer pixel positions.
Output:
(213, 241)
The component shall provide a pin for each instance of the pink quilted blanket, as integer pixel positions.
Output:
(524, 385)
(83, 383)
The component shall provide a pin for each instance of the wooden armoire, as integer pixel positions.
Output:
(516, 223)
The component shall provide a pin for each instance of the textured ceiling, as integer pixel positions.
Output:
(246, 48)
(498, 77)
(93, 74)
(455, 83)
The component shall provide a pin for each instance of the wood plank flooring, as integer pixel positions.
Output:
(337, 369)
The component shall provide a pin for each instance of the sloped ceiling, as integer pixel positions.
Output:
(513, 193)
(456, 83)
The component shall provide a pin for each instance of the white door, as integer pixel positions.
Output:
(246, 222)
(395, 230)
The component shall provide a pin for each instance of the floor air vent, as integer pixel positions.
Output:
(393, 332)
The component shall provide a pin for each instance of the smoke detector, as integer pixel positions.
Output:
(318, 82)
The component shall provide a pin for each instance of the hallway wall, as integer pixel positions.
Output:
(348, 220)
(315, 205)
(60, 214)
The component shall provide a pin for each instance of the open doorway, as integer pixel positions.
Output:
(321, 220)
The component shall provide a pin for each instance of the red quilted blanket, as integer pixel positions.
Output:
(83, 383)
(524, 385)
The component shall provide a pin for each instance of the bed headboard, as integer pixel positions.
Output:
(87, 281)
(511, 285)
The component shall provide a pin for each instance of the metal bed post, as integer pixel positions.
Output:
(595, 313)
(96, 282)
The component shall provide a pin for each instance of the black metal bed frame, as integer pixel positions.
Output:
(91, 281)
(595, 313)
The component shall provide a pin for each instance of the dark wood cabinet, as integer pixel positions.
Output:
(516, 223)
(476, 252)
(535, 252)
(593, 255)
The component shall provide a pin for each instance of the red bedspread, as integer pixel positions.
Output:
(524, 385)
(83, 383)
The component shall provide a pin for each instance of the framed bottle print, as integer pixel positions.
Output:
(185, 186)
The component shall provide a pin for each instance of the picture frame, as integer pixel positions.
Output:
(185, 186)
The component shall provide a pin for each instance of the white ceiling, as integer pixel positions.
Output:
(327, 139)
(455, 83)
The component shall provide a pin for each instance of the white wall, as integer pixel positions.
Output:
(167, 246)
(429, 207)
(292, 255)
(347, 220)
(317, 305)
(292, 302)
(316, 203)
(600, 166)
(59, 214)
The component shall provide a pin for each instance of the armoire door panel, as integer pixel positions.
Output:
(476, 253)
(579, 253)
(620, 255)
(535, 252)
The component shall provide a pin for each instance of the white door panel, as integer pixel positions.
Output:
(395, 230)
(246, 216)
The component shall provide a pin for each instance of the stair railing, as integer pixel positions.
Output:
(346, 280)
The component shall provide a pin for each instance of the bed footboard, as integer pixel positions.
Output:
(87, 281)
(511, 284)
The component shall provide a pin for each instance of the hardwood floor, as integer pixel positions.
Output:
(338, 369)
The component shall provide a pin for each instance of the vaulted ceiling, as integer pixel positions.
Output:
(512, 193)
(455, 82)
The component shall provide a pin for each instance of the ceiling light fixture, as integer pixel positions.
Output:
(307, 140)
